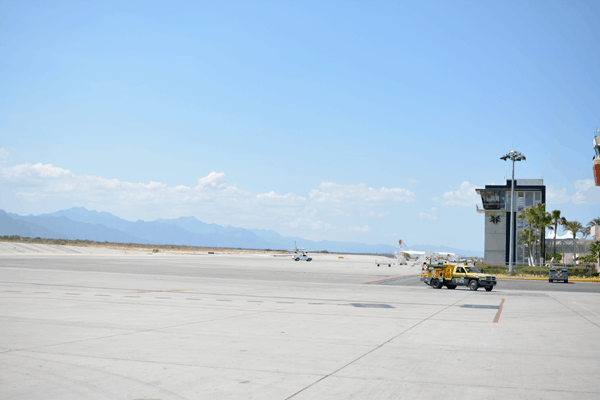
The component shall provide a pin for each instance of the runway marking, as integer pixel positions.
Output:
(157, 291)
(396, 278)
(74, 294)
(371, 305)
(289, 272)
(479, 306)
(497, 318)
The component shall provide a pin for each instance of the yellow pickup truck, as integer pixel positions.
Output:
(451, 276)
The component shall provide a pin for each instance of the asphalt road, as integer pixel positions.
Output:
(509, 284)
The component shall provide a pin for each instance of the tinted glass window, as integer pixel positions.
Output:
(528, 199)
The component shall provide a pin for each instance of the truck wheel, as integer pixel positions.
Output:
(378, 265)
(296, 259)
(435, 283)
(451, 286)
(473, 285)
(550, 280)
(390, 265)
(309, 259)
(488, 288)
(566, 281)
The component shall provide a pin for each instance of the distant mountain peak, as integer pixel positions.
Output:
(79, 210)
(84, 211)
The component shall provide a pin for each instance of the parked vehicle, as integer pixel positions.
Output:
(301, 255)
(385, 262)
(451, 276)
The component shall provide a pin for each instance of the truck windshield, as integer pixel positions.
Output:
(473, 270)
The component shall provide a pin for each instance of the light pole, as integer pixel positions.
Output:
(513, 156)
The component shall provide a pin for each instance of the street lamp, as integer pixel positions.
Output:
(514, 156)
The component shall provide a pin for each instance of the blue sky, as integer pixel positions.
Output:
(362, 121)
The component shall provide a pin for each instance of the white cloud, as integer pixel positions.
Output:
(464, 196)
(412, 181)
(554, 196)
(371, 214)
(333, 193)
(360, 229)
(307, 223)
(6, 155)
(587, 192)
(211, 199)
(428, 217)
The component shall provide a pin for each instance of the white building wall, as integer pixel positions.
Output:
(495, 238)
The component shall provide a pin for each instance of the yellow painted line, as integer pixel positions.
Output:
(497, 318)
(526, 278)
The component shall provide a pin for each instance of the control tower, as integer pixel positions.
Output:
(496, 207)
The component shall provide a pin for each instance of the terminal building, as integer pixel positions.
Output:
(498, 222)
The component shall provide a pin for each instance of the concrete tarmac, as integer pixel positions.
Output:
(258, 327)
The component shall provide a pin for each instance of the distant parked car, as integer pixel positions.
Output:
(302, 256)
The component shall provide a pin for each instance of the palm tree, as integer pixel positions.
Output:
(525, 238)
(534, 226)
(585, 231)
(529, 215)
(555, 219)
(595, 250)
(574, 227)
(545, 221)
(537, 219)
(595, 221)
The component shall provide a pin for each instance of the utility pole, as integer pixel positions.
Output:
(513, 156)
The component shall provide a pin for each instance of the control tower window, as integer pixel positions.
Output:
(528, 199)
(491, 200)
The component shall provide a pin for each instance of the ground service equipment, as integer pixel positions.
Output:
(558, 274)
(451, 276)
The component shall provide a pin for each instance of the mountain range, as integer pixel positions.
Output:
(83, 224)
